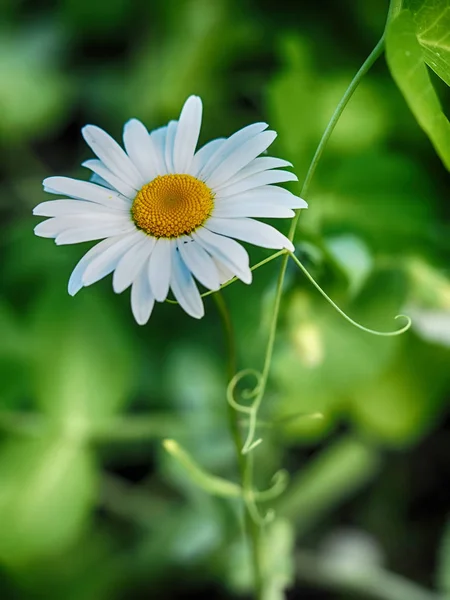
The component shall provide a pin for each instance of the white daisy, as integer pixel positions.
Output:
(167, 213)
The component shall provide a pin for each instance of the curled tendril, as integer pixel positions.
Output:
(343, 314)
(324, 294)
(250, 410)
(247, 394)
(253, 497)
(279, 484)
(259, 519)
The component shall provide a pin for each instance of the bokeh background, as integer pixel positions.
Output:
(91, 507)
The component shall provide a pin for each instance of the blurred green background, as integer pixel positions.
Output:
(90, 506)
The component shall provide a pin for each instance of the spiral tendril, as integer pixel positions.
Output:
(279, 484)
(257, 517)
(250, 410)
(343, 314)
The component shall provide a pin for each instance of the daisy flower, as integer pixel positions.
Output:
(168, 214)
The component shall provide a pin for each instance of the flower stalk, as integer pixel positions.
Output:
(254, 523)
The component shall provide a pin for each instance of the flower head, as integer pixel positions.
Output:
(166, 213)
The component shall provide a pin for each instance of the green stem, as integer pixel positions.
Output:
(244, 464)
(243, 453)
(268, 357)
(373, 56)
(370, 60)
(228, 331)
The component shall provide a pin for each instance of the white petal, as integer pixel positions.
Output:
(47, 229)
(200, 263)
(62, 207)
(85, 190)
(255, 181)
(187, 134)
(132, 262)
(268, 194)
(202, 156)
(224, 273)
(159, 268)
(250, 231)
(184, 288)
(251, 208)
(141, 149)
(230, 145)
(75, 281)
(54, 226)
(228, 252)
(158, 137)
(112, 155)
(94, 178)
(92, 232)
(117, 183)
(142, 300)
(170, 141)
(239, 158)
(51, 228)
(266, 201)
(263, 163)
(105, 262)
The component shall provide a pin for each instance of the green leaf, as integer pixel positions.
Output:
(432, 18)
(47, 491)
(406, 61)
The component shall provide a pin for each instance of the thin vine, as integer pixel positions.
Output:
(245, 456)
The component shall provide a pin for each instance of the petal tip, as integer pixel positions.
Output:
(194, 98)
(289, 246)
(246, 277)
(133, 122)
(198, 316)
(88, 130)
(141, 319)
(73, 289)
(118, 289)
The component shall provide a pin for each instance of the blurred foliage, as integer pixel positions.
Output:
(91, 507)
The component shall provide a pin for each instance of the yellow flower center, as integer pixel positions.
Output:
(172, 205)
